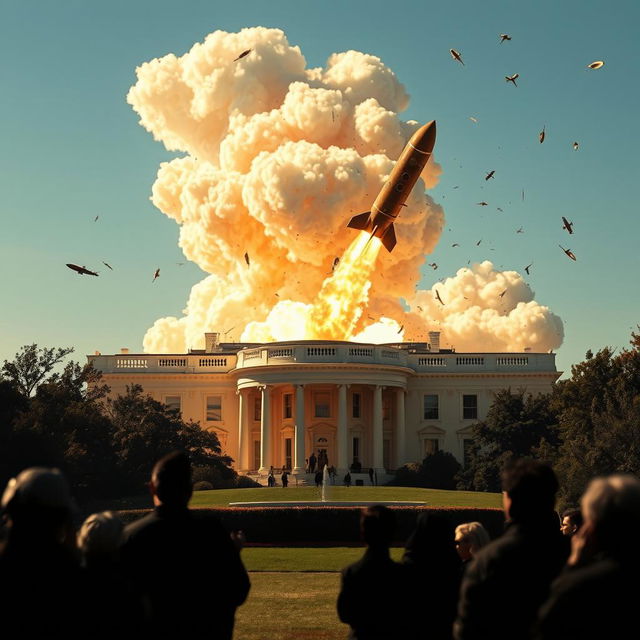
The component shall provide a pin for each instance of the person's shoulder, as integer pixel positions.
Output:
(140, 525)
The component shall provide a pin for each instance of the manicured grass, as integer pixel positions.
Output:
(302, 559)
(282, 606)
(433, 497)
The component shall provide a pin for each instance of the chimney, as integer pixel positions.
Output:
(97, 353)
(124, 350)
(434, 341)
(211, 342)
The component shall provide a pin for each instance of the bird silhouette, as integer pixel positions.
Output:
(243, 54)
(568, 252)
(503, 37)
(438, 298)
(489, 175)
(156, 275)
(456, 55)
(512, 78)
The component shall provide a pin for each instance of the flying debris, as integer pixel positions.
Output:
(433, 265)
(438, 298)
(401, 328)
(478, 243)
(512, 78)
(473, 119)
(181, 264)
(502, 294)
(596, 65)
(541, 135)
(456, 187)
(568, 252)
(567, 225)
(156, 275)
(96, 218)
(523, 195)
(456, 55)
(520, 230)
(335, 264)
(528, 267)
(386, 207)
(246, 259)
(455, 244)
(490, 175)
(106, 264)
(503, 37)
(243, 54)
(419, 308)
(482, 204)
(499, 209)
(575, 146)
(81, 271)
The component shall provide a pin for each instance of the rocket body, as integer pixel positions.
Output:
(387, 205)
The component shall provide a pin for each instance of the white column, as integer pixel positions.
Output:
(265, 430)
(343, 444)
(243, 432)
(298, 462)
(377, 427)
(401, 436)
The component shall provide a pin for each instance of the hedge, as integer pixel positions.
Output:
(302, 526)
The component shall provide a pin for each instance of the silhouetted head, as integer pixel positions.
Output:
(611, 510)
(432, 541)
(529, 490)
(470, 538)
(100, 537)
(377, 525)
(171, 480)
(571, 522)
(38, 504)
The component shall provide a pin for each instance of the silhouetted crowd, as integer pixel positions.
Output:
(175, 574)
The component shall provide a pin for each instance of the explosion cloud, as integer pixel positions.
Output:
(278, 157)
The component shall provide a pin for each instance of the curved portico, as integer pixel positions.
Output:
(350, 411)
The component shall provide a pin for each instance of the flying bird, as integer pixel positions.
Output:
(499, 209)
(438, 298)
(596, 65)
(567, 225)
(520, 230)
(575, 146)
(246, 259)
(512, 78)
(568, 252)
(478, 243)
(541, 135)
(503, 37)
(96, 218)
(81, 271)
(433, 265)
(502, 294)
(243, 54)
(490, 175)
(401, 328)
(335, 263)
(419, 308)
(455, 244)
(482, 204)
(156, 275)
(456, 55)
(106, 264)
(528, 267)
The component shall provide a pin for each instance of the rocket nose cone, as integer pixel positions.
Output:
(424, 138)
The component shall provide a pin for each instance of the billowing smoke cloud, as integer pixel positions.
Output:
(278, 157)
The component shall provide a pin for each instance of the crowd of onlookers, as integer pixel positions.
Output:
(175, 573)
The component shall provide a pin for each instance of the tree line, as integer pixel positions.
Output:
(59, 414)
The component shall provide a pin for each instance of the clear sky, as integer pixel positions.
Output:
(73, 149)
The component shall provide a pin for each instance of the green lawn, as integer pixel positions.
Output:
(282, 606)
(433, 497)
(301, 559)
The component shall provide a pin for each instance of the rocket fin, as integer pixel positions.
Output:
(361, 221)
(389, 238)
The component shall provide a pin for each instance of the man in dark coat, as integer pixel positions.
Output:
(509, 579)
(185, 565)
(372, 597)
(312, 462)
(596, 596)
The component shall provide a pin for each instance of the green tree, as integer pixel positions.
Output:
(32, 365)
(518, 424)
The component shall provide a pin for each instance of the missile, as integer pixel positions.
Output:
(387, 205)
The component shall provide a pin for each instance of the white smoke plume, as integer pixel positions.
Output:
(278, 158)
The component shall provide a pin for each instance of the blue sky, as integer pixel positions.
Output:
(73, 149)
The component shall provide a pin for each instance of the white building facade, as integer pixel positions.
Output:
(379, 406)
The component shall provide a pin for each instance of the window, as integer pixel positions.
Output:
(356, 449)
(355, 405)
(431, 407)
(386, 407)
(430, 446)
(173, 403)
(287, 403)
(322, 405)
(470, 407)
(287, 453)
(257, 408)
(214, 408)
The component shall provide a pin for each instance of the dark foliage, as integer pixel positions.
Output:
(436, 471)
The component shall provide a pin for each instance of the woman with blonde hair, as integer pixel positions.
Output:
(470, 538)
